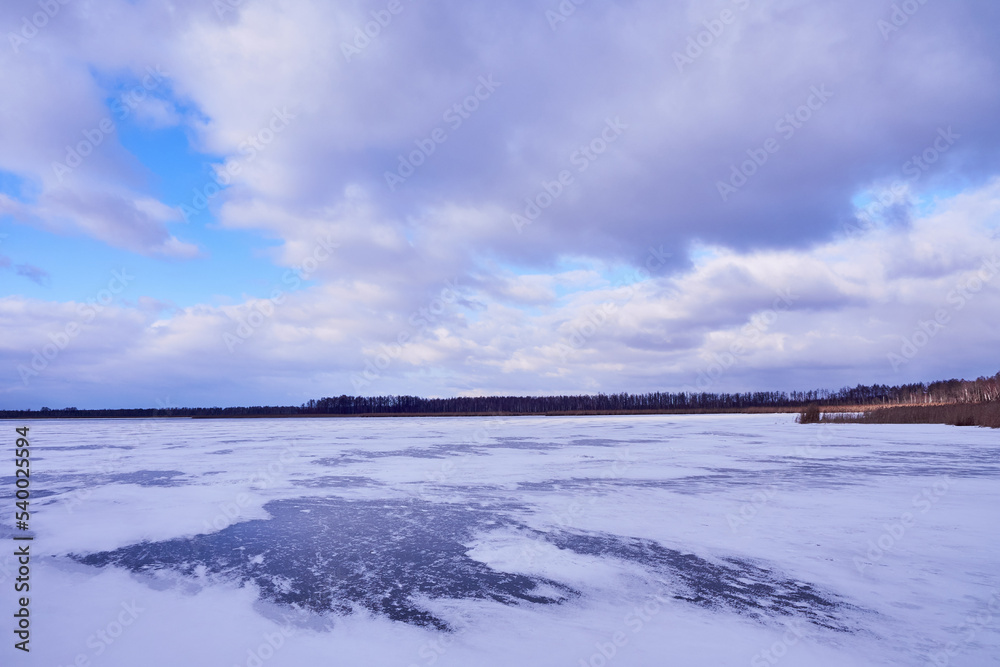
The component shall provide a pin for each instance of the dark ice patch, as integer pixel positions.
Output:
(147, 478)
(8, 489)
(62, 483)
(502, 442)
(334, 461)
(67, 448)
(337, 482)
(690, 484)
(733, 583)
(596, 442)
(332, 555)
(430, 452)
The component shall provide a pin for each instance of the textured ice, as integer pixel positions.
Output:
(731, 584)
(332, 555)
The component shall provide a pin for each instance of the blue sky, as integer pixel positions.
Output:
(586, 205)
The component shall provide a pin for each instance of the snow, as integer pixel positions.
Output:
(602, 541)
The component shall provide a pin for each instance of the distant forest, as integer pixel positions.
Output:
(984, 389)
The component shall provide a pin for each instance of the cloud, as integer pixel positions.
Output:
(767, 319)
(158, 113)
(121, 220)
(34, 274)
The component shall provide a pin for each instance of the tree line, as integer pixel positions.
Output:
(983, 389)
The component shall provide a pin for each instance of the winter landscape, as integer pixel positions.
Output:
(638, 540)
(464, 333)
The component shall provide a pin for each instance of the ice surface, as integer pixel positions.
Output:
(660, 540)
(330, 555)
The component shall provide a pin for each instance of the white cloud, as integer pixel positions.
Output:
(795, 314)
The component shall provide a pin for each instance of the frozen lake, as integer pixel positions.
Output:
(640, 540)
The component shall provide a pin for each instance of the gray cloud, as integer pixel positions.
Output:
(34, 274)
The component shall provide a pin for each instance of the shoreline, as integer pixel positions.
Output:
(832, 410)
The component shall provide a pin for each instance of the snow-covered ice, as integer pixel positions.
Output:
(601, 541)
